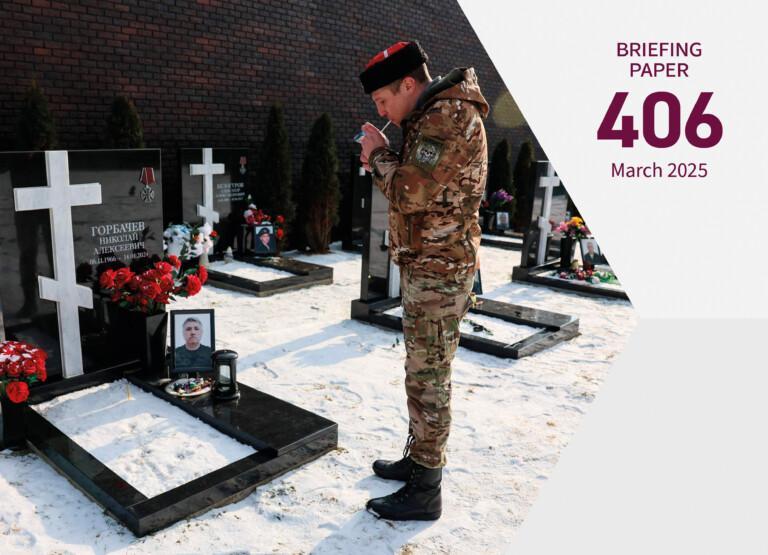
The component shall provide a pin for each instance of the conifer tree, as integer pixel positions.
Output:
(273, 189)
(36, 128)
(124, 129)
(499, 170)
(524, 185)
(320, 192)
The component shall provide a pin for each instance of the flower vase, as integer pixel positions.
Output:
(567, 245)
(143, 334)
(14, 433)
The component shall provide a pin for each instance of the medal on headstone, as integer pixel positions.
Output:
(147, 179)
(243, 162)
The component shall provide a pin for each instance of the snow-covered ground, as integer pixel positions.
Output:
(511, 421)
(249, 271)
(149, 443)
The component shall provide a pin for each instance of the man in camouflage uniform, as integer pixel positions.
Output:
(434, 186)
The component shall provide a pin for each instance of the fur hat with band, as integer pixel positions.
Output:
(392, 64)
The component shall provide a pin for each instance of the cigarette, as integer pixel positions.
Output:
(359, 137)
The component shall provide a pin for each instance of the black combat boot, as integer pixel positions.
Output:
(418, 499)
(395, 470)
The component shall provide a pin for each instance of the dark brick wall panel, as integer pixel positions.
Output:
(205, 73)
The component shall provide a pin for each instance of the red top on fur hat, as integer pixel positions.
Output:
(392, 64)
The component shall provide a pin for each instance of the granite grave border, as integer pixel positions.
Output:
(553, 327)
(306, 275)
(536, 275)
(301, 437)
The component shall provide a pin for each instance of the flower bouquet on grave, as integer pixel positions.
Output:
(575, 228)
(137, 315)
(572, 229)
(188, 242)
(500, 202)
(21, 365)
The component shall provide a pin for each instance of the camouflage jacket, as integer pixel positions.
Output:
(435, 183)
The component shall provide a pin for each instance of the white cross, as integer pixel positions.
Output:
(207, 169)
(59, 197)
(549, 182)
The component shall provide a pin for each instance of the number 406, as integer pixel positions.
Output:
(627, 133)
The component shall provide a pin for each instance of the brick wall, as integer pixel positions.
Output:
(205, 73)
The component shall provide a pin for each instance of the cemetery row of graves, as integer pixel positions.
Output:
(95, 253)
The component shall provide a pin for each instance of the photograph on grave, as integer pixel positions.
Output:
(265, 243)
(193, 340)
(215, 185)
(590, 253)
(69, 216)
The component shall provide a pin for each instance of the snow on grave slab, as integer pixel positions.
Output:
(612, 286)
(148, 442)
(249, 271)
(487, 327)
(502, 239)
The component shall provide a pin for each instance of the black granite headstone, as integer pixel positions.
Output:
(125, 229)
(230, 191)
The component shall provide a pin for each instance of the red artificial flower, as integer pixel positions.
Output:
(193, 285)
(166, 283)
(163, 267)
(202, 273)
(214, 234)
(107, 279)
(279, 219)
(280, 233)
(29, 366)
(150, 290)
(17, 392)
(41, 374)
(266, 217)
(135, 283)
(122, 276)
(174, 260)
(13, 368)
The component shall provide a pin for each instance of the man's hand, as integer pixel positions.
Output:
(372, 140)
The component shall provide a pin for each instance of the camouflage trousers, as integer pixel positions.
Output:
(433, 307)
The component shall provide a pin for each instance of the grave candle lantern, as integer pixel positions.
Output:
(225, 371)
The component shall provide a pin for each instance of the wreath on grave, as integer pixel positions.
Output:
(152, 289)
(188, 241)
(21, 365)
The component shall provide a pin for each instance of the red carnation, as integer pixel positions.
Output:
(13, 368)
(280, 233)
(175, 261)
(17, 392)
(166, 283)
(41, 374)
(29, 366)
(122, 276)
(107, 279)
(214, 234)
(202, 273)
(150, 289)
(135, 283)
(163, 267)
(193, 285)
(279, 219)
